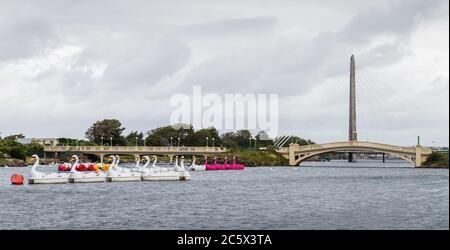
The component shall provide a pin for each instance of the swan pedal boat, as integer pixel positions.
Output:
(118, 174)
(84, 177)
(195, 167)
(166, 174)
(37, 177)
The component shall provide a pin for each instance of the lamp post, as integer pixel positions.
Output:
(110, 141)
(136, 140)
(250, 142)
(171, 141)
(213, 139)
(178, 141)
(206, 141)
(102, 139)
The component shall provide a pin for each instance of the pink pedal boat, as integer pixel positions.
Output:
(224, 166)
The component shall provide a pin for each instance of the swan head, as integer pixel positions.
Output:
(146, 158)
(113, 158)
(35, 157)
(117, 157)
(74, 158)
(137, 158)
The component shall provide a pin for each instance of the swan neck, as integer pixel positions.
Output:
(35, 164)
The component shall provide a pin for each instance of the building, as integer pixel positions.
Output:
(41, 141)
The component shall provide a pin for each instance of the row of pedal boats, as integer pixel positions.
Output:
(214, 165)
(79, 173)
(114, 173)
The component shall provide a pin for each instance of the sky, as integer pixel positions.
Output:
(66, 64)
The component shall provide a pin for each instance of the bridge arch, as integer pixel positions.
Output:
(301, 153)
(309, 155)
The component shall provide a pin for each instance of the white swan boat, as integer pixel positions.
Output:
(37, 177)
(195, 167)
(163, 174)
(115, 174)
(84, 177)
(120, 169)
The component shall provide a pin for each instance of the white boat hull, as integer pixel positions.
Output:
(198, 168)
(162, 176)
(87, 179)
(123, 178)
(47, 180)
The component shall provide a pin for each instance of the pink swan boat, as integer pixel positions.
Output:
(224, 166)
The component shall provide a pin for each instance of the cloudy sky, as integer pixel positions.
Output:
(66, 64)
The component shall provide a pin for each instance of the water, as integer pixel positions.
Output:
(329, 196)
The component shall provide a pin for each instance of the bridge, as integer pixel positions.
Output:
(296, 154)
(101, 151)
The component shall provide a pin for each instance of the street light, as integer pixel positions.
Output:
(110, 141)
(213, 139)
(250, 142)
(171, 141)
(206, 141)
(178, 141)
(102, 139)
(136, 140)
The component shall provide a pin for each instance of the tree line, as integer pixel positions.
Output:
(110, 132)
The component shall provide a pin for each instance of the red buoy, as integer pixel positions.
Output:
(17, 179)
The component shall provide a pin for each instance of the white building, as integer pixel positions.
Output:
(41, 141)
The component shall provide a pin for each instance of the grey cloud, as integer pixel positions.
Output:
(147, 62)
(22, 38)
(233, 26)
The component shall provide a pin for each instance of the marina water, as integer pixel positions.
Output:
(331, 195)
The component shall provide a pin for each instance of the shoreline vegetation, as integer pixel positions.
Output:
(437, 160)
(250, 150)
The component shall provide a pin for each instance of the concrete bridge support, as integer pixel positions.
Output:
(171, 158)
(101, 157)
(419, 158)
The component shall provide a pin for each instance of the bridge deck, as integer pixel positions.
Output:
(134, 150)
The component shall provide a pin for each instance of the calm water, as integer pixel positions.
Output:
(363, 196)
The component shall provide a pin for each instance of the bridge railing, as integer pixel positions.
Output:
(133, 149)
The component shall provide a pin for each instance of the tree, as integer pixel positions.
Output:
(199, 138)
(161, 136)
(131, 138)
(239, 139)
(14, 137)
(107, 128)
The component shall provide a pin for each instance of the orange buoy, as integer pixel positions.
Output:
(17, 179)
